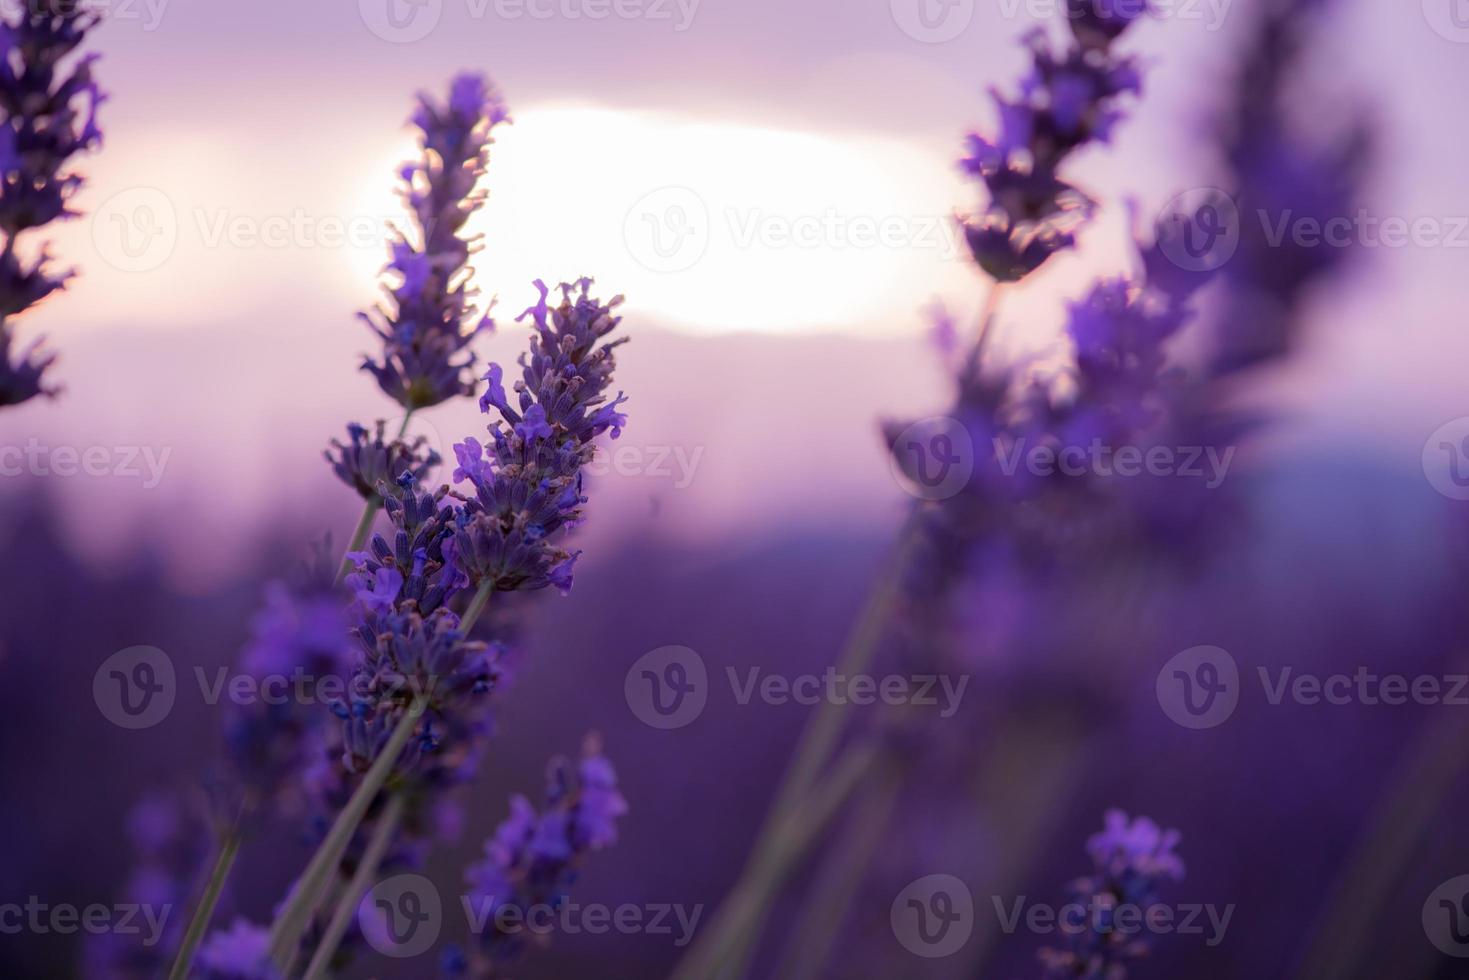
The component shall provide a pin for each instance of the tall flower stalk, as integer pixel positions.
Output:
(50, 105)
(1070, 98)
(416, 717)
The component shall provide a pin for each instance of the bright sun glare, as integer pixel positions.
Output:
(713, 227)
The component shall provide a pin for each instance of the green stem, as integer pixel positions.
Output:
(362, 880)
(476, 606)
(721, 951)
(842, 871)
(291, 924)
(229, 849)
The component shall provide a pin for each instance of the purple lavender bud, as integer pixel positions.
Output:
(1132, 860)
(1064, 103)
(22, 379)
(50, 116)
(369, 458)
(241, 952)
(532, 858)
(430, 319)
(528, 486)
(1010, 255)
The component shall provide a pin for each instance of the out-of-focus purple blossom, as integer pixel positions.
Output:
(1282, 170)
(370, 458)
(430, 317)
(23, 378)
(171, 842)
(527, 482)
(240, 952)
(532, 858)
(1066, 102)
(50, 116)
(1132, 859)
(298, 647)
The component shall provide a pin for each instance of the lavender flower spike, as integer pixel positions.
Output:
(1065, 103)
(430, 319)
(1132, 858)
(533, 858)
(370, 458)
(527, 483)
(50, 116)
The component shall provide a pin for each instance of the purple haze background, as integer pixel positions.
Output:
(240, 361)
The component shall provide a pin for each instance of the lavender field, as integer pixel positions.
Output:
(711, 490)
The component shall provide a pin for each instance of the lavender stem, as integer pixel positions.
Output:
(290, 925)
(199, 924)
(362, 879)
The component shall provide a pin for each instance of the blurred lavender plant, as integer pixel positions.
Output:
(532, 858)
(1132, 859)
(50, 117)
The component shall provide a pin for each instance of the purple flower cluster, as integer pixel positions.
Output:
(527, 482)
(369, 458)
(1066, 102)
(430, 318)
(50, 117)
(1132, 859)
(532, 858)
